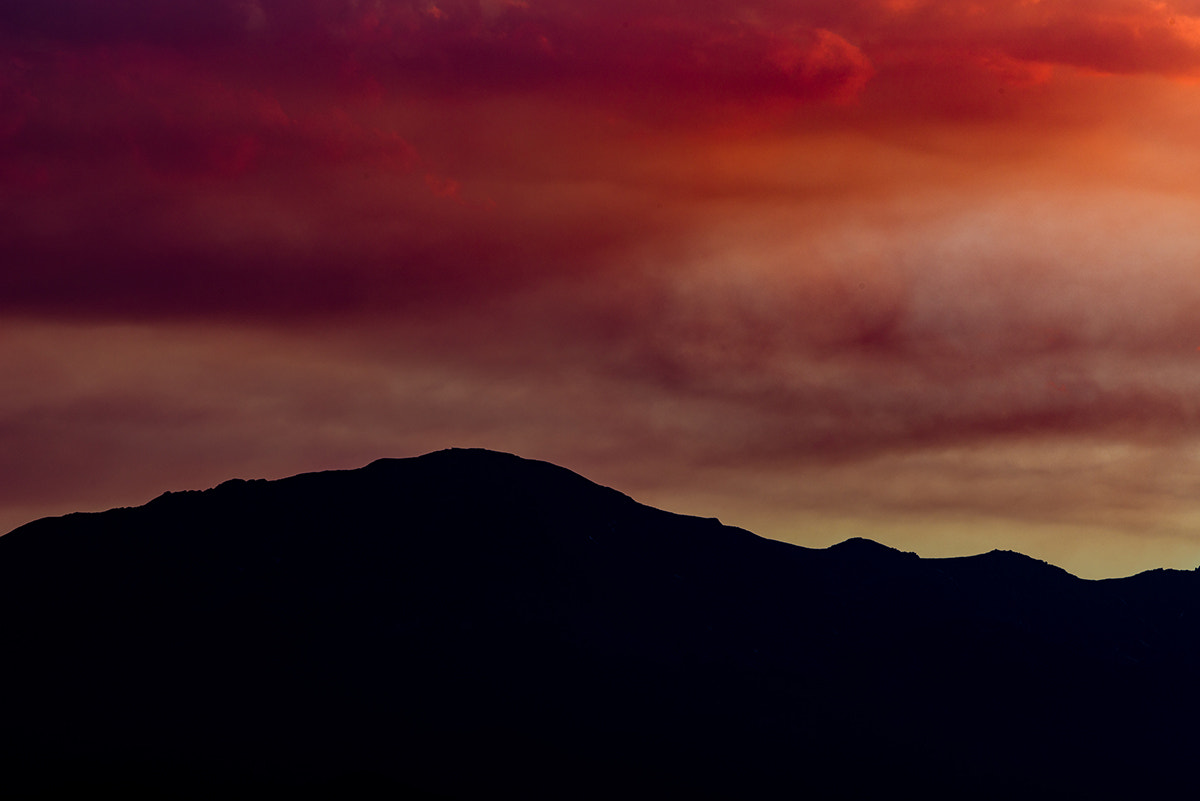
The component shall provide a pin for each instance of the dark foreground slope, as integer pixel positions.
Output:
(468, 624)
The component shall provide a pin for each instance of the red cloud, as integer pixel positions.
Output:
(763, 48)
(1111, 36)
(173, 115)
(237, 167)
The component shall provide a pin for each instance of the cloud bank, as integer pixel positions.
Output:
(856, 261)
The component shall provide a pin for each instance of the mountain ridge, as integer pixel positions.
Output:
(468, 620)
(862, 544)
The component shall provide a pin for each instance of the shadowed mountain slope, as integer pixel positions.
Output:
(469, 624)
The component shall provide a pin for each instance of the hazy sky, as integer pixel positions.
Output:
(927, 272)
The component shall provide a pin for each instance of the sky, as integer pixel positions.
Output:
(925, 272)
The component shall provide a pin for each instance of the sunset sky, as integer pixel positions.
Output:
(927, 272)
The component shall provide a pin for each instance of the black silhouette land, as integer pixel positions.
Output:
(470, 625)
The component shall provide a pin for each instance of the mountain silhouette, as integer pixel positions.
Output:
(469, 624)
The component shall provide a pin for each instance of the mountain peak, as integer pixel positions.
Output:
(864, 548)
(862, 544)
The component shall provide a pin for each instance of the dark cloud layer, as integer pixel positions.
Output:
(715, 53)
